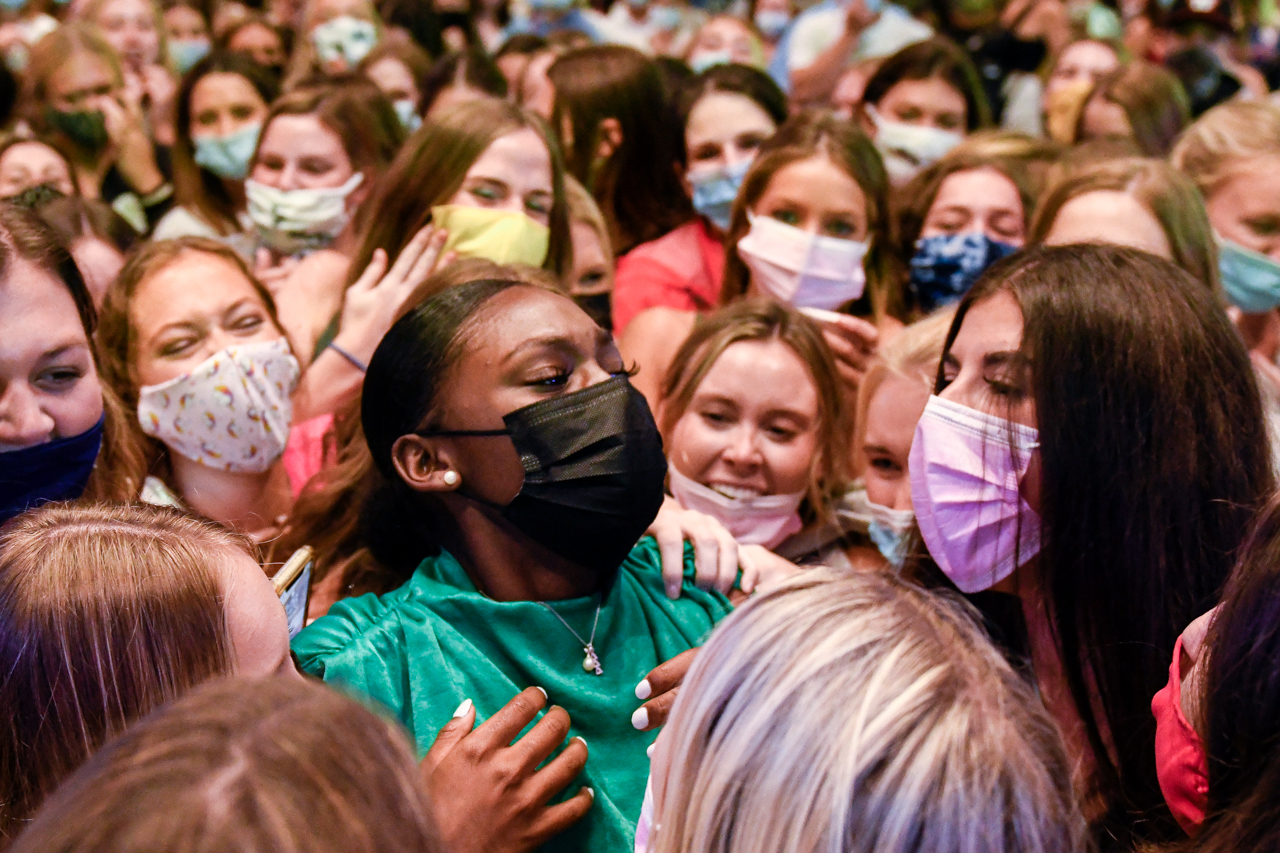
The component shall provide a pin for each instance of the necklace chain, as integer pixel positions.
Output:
(592, 661)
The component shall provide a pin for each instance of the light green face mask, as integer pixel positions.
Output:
(501, 236)
(1251, 279)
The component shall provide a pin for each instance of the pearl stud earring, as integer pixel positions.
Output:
(450, 478)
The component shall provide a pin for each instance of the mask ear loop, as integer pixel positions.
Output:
(465, 433)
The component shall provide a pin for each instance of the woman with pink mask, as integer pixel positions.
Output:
(1090, 461)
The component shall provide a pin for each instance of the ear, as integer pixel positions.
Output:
(358, 195)
(610, 138)
(424, 464)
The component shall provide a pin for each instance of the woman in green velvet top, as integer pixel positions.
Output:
(520, 469)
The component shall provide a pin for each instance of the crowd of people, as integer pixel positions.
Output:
(680, 426)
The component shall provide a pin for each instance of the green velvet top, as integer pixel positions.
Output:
(434, 642)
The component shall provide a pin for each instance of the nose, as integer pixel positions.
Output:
(733, 155)
(22, 422)
(741, 448)
(288, 177)
(226, 125)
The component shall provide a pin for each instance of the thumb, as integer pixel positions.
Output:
(449, 736)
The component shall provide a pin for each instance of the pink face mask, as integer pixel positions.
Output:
(1181, 766)
(964, 487)
(764, 520)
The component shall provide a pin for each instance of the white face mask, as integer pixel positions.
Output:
(908, 148)
(803, 269)
(764, 520)
(317, 213)
(232, 412)
(345, 38)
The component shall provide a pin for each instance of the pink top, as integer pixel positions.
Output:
(304, 454)
(682, 269)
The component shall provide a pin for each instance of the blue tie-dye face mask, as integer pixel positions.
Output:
(946, 266)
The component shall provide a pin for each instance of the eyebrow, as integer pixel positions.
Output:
(1003, 358)
(560, 342)
(64, 349)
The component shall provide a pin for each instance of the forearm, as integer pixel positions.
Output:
(817, 81)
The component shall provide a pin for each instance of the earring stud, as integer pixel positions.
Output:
(450, 478)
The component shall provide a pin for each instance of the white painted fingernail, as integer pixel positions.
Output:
(649, 751)
(543, 692)
(591, 791)
(463, 709)
(644, 689)
(584, 742)
(640, 719)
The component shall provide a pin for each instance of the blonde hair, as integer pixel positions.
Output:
(108, 613)
(913, 355)
(274, 766)
(840, 714)
(1214, 148)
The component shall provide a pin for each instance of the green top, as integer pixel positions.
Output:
(424, 648)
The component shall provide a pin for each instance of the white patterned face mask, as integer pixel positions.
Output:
(232, 412)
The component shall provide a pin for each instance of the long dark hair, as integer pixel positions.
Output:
(637, 188)
(1154, 459)
(401, 389)
(1242, 700)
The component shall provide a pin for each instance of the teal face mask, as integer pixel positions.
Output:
(228, 156)
(185, 53)
(1251, 279)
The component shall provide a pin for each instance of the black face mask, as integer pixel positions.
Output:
(593, 472)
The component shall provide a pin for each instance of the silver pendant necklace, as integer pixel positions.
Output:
(591, 663)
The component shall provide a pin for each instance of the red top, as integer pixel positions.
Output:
(681, 269)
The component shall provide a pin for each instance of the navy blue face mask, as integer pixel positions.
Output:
(53, 471)
(946, 266)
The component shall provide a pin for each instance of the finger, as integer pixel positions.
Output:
(544, 738)
(449, 736)
(671, 552)
(728, 563)
(559, 772)
(411, 253)
(261, 260)
(706, 558)
(373, 273)
(500, 729)
(654, 713)
(556, 819)
(750, 571)
(666, 676)
(426, 262)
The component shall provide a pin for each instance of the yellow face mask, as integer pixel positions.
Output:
(501, 236)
